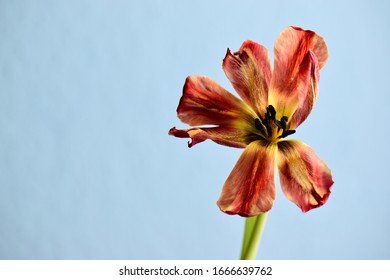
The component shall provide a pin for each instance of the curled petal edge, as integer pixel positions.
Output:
(230, 137)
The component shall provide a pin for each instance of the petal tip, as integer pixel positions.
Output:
(239, 212)
(178, 133)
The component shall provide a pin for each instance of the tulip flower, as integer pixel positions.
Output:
(273, 103)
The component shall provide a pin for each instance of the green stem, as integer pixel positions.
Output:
(252, 234)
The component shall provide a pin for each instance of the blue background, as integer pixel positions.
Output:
(89, 90)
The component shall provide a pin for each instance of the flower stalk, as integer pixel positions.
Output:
(253, 231)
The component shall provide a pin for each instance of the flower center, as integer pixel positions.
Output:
(271, 128)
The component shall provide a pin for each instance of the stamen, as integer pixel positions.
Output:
(271, 112)
(284, 121)
(279, 124)
(286, 133)
(270, 123)
(258, 124)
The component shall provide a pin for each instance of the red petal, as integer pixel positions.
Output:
(299, 54)
(249, 71)
(206, 102)
(231, 137)
(309, 90)
(250, 188)
(304, 177)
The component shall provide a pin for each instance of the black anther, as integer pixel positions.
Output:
(269, 122)
(286, 133)
(271, 112)
(279, 124)
(283, 122)
(258, 124)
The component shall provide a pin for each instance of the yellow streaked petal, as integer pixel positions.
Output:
(304, 177)
(250, 188)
